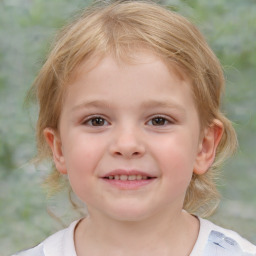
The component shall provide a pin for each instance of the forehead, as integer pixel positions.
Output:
(146, 78)
(132, 57)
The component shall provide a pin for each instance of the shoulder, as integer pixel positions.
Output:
(36, 251)
(58, 244)
(215, 241)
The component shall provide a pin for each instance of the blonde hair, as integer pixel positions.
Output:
(119, 29)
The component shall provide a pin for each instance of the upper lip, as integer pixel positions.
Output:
(127, 172)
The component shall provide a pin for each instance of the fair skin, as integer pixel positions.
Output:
(129, 140)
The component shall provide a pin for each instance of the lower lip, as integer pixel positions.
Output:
(129, 184)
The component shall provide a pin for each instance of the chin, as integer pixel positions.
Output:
(130, 213)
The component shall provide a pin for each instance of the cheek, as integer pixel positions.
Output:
(177, 173)
(176, 151)
(176, 158)
(82, 155)
(81, 152)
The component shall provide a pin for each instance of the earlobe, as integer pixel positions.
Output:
(54, 143)
(207, 148)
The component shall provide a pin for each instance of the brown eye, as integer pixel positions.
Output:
(96, 121)
(159, 121)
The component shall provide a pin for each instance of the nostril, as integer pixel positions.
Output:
(132, 154)
(127, 148)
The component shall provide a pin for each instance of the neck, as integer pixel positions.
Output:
(174, 234)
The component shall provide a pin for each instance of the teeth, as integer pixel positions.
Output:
(128, 177)
(138, 177)
(131, 177)
(123, 177)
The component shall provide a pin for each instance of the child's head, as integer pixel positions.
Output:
(122, 30)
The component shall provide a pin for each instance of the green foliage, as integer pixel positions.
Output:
(26, 31)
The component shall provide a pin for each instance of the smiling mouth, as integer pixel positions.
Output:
(124, 177)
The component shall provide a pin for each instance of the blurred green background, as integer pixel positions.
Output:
(27, 28)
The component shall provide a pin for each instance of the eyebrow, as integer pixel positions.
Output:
(166, 103)
(92, 103)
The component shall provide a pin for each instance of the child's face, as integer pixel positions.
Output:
(129, 138)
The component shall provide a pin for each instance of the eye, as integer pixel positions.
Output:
(159, 121)
(96, 121)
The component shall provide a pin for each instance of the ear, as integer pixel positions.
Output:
(207, 147)
(54, 141)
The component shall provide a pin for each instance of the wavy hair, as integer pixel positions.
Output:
(121, 29)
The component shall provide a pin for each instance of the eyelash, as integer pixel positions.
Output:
(89, 121)
(163, 121)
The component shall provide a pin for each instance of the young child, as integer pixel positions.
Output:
(129, 103)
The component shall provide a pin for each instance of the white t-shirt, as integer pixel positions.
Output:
(212, 241)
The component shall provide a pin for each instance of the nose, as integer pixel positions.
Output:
(127, 143)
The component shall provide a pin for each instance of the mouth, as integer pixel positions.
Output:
(128, 179)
